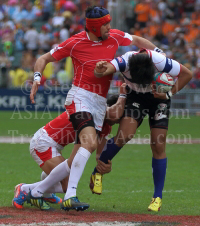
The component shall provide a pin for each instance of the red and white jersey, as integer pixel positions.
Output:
(62, 132)
(161, 62)
(86, 53)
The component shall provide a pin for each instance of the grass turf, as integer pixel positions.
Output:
(27, 123)
(128, 188)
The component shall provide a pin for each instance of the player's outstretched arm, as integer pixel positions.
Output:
(143, 43)
(39, 67)
(103, 68)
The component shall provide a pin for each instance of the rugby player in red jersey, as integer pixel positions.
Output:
(86, 100)
(46, 146)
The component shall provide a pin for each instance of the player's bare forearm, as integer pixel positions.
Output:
(42, 61)
(142, 43)
(116, 111)
(183, 79)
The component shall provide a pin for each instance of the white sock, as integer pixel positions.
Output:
(28, 187)
(56, 188)
(77, 169)
(43, 175)
(57, 174)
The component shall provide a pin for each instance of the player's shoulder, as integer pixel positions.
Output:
(77, 37)
(117, 33)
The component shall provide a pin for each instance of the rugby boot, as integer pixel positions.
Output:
(96, 183)
(52, 198)
(38, 202)
(74, 204)
(155, 204)
(19, 197)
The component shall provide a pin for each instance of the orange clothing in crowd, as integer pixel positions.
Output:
(167, 27)
(142, 11)
(153, 29)
(153, 13)
(138, 32)
(191, 35)
(196, 18)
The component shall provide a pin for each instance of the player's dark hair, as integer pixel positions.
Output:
(142, 69)
(88, 10)
(112, 100)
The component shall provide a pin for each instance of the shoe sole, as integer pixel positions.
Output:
(78, 208)
(154, 210)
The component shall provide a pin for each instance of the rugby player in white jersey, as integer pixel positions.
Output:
(138, 69)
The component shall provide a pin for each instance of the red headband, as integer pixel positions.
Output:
(94, 24)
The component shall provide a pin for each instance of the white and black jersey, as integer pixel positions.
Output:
(162, 64)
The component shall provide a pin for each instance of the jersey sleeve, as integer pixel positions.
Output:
(121, 63)
(164, 64)
(123, 38)
(106, 130)
(63, 50)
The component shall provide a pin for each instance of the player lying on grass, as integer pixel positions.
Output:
(138, 69)
(46, 146)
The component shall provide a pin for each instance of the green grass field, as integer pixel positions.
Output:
(129, 187)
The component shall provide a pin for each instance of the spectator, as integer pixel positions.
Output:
(142, 11)
(129, 14)
(31, 38)
(58, 20)
(46, 9)
(64, 33)
(4, 68)
(19, 38)
(63, 76)
(44, 39)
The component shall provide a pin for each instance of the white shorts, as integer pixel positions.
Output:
(43, 147)
(83, 100)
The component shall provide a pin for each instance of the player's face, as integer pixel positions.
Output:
(105, 31)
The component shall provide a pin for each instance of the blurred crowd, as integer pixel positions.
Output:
(30, 28)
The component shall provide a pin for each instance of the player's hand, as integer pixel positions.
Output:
(34, 90)
(97, 157)
(158, 95)
(123, 89)
(101, 66)
(104, 168)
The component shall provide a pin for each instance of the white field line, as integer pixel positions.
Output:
(24, 140)
(115, 223)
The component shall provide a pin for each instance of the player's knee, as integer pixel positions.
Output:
(158, 148)
(122, 140)
(90, 146)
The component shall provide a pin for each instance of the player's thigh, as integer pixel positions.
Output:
(47, 158)
(126, 130)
